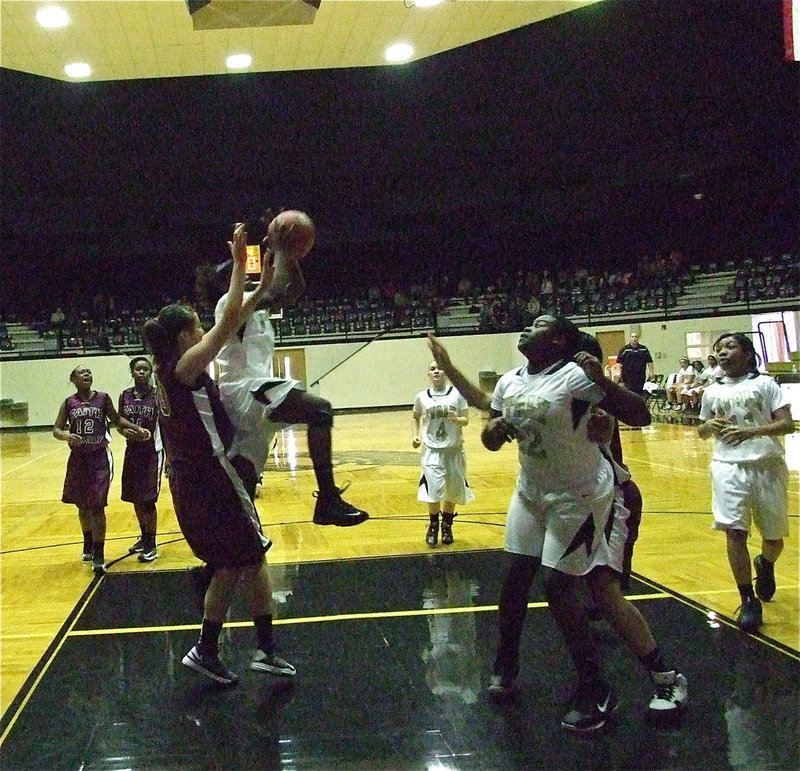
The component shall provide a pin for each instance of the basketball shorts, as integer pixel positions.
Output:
(249, 404)
(88, 478)
(444, 477)
(745, 492)
(215, 513)
(141, 473)
(568, 532)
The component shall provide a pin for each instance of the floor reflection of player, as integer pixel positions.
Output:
(453, 667)
(757, 710)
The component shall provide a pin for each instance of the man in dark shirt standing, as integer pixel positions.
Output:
(637, 365)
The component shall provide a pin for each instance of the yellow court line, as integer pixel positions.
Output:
(33, 460)
(46, 666)
(341, 617)
(633, 460)
(702, 592)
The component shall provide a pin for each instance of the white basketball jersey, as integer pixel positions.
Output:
(550, 409)
(745, 402)
(248, 356)
(433, 407)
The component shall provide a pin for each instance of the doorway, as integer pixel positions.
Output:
(290, 363)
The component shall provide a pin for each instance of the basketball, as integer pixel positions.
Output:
(303, 234)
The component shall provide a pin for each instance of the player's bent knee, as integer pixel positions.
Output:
(321, 415)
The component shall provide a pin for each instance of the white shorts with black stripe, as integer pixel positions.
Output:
(568, 532)
(249, 404)
(444, 477)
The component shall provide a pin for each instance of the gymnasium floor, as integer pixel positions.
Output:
(392, 640)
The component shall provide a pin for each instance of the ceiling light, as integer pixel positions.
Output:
(52, 16)
(238, 61)
(78, 70)
(399, 52)
(426, 3)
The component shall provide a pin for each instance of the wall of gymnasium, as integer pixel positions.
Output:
(383, 373)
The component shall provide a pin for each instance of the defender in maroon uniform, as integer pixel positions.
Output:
(213, 509)
(82, 422)
(144, 461)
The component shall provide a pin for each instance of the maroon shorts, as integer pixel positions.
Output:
(215, 514)
(88, 478)
(141, 473)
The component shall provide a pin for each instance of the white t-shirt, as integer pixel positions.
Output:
(709, 375)
(745, 401)
(685, 375)
(250, 356)
(551, 409)
(432, 408)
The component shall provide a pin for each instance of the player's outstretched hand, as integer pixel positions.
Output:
(238, 245)
(440, 354)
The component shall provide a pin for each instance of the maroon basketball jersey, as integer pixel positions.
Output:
(88, 419)
(192, 419)
(141, 409)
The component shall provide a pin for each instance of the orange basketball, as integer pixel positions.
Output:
(303, 232)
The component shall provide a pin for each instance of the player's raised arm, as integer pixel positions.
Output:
(199, 353)
(472, 393)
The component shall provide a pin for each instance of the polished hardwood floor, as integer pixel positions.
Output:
(43, 577)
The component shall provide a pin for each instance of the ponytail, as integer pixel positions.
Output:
(161, 333)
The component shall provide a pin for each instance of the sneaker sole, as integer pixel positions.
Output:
(343, 523)
(599, 726)
(142, 558)
(187, 661)
(258, 667)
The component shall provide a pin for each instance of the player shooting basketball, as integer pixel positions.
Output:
(256, 400)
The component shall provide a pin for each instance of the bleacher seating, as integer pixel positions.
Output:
(665, 288)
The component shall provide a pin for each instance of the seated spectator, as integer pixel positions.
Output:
(684, 397)
(704, 379)
(684, 377)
